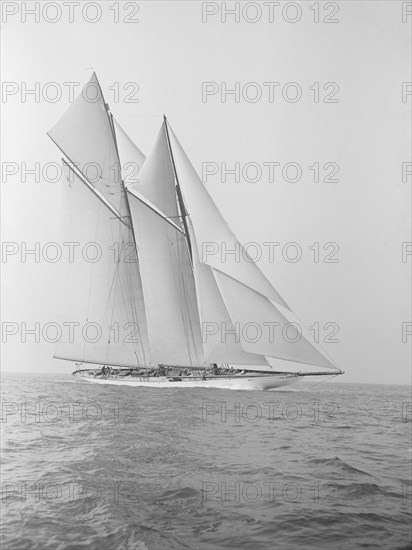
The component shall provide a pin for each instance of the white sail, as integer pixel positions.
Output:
(85, 135)
(157, 181)
(165, 265)
(190, 296)
(221, 344)
(168, 286)
(102, 293)
(131, 157)
(211, 229)
(263, 329)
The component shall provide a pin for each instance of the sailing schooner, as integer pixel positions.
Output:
(186, 315)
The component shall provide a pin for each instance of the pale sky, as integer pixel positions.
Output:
(165, 57)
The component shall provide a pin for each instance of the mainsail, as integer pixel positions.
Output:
(165, 266)
(186, 307)
(103, 297)
(107, 293)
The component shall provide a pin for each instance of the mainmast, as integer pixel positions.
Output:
(123, 186)
(111, 124)
(182, 208)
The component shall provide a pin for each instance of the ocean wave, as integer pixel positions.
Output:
(339, 465)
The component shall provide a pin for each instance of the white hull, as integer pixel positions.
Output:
(237, 382)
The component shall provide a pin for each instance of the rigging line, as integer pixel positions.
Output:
(116, 283)
(91, 276)
(89, 185)
(93, 362)
(116, 275)
(136, 290)
(276, 306)
(318, 343)
(186, 313)
(193, 313)
(326, 379)
(138, 346)
(129, 299)
(106, 160)
(178, 255)
(174, 258)
(182, 208)
(154, 209)
(126, 198)
(111, 293)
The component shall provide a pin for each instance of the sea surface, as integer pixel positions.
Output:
(322, 466)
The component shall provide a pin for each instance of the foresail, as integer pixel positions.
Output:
(168, 286)
(263, 329)
(85, 135)
(213, 235)
(100, 301)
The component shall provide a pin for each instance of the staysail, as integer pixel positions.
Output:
(262, 328)
(221, 342)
